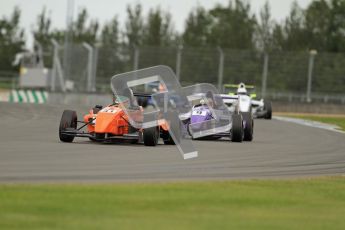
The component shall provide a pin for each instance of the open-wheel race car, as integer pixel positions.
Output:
(207, 115)
(111, 124)
(260, 108)
(201, 113)
(241, 104)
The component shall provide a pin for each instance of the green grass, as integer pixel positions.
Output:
(6, 85)
(257, 204)
(328, 119)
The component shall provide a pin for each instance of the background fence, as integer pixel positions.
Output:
(278, 75)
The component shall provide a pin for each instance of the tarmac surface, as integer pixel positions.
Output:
(30, 151)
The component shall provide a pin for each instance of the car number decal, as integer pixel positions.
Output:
(199, 113)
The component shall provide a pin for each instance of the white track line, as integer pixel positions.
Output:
(310, 123)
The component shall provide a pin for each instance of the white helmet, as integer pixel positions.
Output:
(242, 89)
(202, 102)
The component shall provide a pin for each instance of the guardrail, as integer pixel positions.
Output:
(9, 81)
(315, 98)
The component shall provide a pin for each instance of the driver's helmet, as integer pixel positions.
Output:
(242, 89)
(202, 102)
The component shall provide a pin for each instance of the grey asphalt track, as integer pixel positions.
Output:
(31, 152)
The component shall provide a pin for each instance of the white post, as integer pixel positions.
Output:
(312, 55)
(94, 72)
(57, 69)
(39, 54)
(53, 76)
(89, 66)
(178, 61)
(220, 69)
(264, 76)
(68, 39)
(136, 58)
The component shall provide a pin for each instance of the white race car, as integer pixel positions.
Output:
(259, 108)
(241, 103)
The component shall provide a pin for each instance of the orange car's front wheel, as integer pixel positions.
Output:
(68, 120)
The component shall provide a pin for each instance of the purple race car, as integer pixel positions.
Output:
(211, 124)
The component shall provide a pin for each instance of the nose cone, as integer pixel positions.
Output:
(107, 118)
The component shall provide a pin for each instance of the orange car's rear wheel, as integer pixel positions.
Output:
(150, 136)
(68, 120)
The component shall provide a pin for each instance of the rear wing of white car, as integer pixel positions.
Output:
(229, 99)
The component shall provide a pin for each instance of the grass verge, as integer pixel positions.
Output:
(317, 203)
(6, 85)
(338, 120)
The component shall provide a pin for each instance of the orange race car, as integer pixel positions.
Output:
(111, 123)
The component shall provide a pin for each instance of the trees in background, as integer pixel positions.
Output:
(232, 27)
(320, 26)
(84, 31)
(317, 24)
(158, 30)
(264, 30)
(197, 28)
(134, 26)
(12, 39)
(109, 49)
(154, 30)
(110, 33)
(337, 26)
(42, 31)
(294, 30)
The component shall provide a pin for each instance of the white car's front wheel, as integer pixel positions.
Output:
(268, 109)
(237, 134)
(248, 126)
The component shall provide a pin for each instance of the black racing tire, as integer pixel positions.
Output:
(68, 120)
(268, 109)
(237, 133)
(150, 136)
(249, 126)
